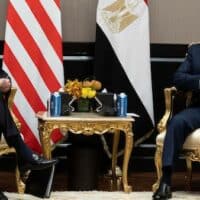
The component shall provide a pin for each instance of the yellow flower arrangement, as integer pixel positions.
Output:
(82, 89)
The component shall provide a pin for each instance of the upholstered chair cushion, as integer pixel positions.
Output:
(2, 140)
(4, 148)
(192, 141)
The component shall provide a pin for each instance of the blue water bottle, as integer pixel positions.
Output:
(55, 104)
(122, 103)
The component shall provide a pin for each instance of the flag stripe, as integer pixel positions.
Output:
(25, 83)
(29, 119)
(19, 52)
(29, 137)
(57, 3)
(40, 38)
(31, 47)
(47, 25)
(53, 11)
(56, 135)
(24, 106)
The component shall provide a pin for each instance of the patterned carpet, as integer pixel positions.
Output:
(97, 195)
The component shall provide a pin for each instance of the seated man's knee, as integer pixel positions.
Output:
(177, 121)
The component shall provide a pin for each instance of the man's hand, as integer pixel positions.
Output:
(5, 85)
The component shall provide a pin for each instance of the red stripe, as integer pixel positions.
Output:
(57, 3)
(146, 1)
(32, 49)
(29, 137)
(47, 25)
(56, 135)
(22, 80)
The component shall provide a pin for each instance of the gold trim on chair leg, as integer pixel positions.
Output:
(20, 184)
(158, 165)
(21, 180)
(189, 171)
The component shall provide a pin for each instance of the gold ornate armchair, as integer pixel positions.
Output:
(5, 149)
(174, 101)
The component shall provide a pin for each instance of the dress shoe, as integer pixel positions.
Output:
(2, 196)
(163, 192)
(37, 163)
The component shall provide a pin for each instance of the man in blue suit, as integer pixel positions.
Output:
(187, 77)
(25, 157)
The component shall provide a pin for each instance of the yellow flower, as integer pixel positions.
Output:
(84, 93)
(91, 93)
(85, 89)
(73, 88)
(88, 92)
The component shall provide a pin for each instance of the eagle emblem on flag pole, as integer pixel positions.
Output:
(119, 14)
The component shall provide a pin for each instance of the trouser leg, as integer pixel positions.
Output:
(180, 126)
(7, 124)
(24, 153)
(11, 133)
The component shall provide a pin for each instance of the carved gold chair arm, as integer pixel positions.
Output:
(169, 96)
(11, 97)
(10, 104)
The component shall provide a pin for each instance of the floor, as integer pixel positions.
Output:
(140, 181)
(99, 195)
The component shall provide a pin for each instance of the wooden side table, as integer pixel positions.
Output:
(89, 124)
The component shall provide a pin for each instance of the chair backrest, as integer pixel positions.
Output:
(189, 45)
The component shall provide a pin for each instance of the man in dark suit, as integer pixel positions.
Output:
(25, 157)
(187, 77)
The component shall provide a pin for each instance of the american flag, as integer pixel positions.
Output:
(33, 59)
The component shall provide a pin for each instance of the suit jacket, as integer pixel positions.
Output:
(3, 74)
(7, 125)
(187, 76)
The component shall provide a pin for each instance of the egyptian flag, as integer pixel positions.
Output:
(122, 56)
